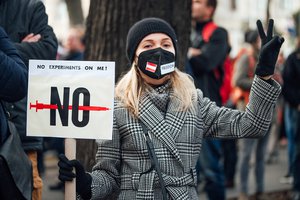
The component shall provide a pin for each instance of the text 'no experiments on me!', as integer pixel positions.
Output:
(71, 67)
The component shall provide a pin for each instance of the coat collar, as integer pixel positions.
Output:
(164, 129)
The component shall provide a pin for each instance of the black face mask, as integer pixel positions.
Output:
(156, 63)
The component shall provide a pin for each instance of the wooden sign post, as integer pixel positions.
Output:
(70, 152)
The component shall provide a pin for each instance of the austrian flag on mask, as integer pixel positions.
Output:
(151, 67)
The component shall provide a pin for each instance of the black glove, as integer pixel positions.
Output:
(270, 47)
(83, 179)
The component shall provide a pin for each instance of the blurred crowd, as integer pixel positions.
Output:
(229, 86)
(220, 160)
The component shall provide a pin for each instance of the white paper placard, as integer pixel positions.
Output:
(70, 99)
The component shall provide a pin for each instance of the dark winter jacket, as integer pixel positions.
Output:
(20, 18)
(13, 78)
(291, 77)
(213, 54)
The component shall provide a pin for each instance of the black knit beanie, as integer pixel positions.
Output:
(143, 28)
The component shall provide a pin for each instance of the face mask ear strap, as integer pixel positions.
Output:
(136, 67)
(135, 60)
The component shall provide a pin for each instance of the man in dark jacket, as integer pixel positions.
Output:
(26, 24)
(205, 64)
(205, 58)
(13, 87)
(291, 94)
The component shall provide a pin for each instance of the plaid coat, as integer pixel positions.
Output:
(122, 162)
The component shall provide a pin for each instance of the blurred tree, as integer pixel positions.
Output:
(107, 25)
(75, 12)
(233, 4)
(268, 15)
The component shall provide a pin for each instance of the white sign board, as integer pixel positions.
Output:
(70, 99)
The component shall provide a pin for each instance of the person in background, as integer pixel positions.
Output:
(291, 94)
(277, 123)
(296, 161)
(73, 47)
(244, 72)
(160, 120)
(26, 24)
(13, 87)
(205, 65)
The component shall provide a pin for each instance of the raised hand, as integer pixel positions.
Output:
(83, 179)
(270, 47)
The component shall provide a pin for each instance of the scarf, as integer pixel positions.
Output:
(160, 96)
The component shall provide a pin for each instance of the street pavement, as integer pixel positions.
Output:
(273, 172)
(50, 177)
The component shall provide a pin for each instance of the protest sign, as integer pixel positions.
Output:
(70, 99)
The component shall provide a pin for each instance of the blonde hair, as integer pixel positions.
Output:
(131, 87)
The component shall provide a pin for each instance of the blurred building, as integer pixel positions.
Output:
(236, 20)
(246, 13)
(58, 15)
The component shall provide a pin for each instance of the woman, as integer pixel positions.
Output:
(243, 78)
(160, 120)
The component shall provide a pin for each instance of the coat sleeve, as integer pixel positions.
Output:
(254, 122)
(46, 47)
(13, 74)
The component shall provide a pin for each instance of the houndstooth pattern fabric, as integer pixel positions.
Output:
(177, 137)
(160, 97)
